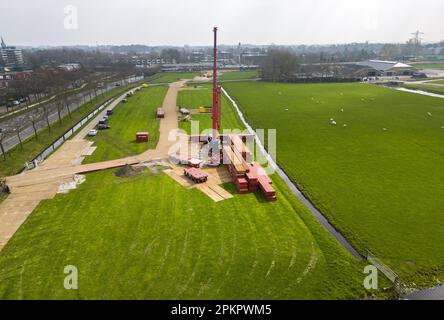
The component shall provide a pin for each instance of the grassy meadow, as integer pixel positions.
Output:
(138, 114)
(147, 237)
(377, 174)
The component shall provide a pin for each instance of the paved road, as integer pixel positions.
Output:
(28, 131)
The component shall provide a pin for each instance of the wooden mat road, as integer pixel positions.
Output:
(30, 187)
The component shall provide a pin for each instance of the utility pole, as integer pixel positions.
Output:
(417, 41)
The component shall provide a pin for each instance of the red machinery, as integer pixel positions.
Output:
(198, 176)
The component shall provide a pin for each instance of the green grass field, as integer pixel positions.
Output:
(424, 87)
(169, 77)
(239, 75)
(16, 157)
(436, 81)
(193, 99)
(382, 189)
(147, 237)
(436, 66)
(127, 119)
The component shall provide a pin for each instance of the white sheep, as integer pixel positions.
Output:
(333, 122)
(429, 113)
(345, 125)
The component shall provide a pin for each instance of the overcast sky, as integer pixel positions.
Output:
(176, 22)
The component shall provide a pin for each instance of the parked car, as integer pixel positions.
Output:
(15, 103)
(124, 100)
(102, 126)
(109, 112)
(103, 121)
(92, 133)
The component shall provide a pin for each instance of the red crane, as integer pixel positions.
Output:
(217, 102)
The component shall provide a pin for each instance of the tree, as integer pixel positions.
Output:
(171, 54)
(2, 139)
(34, 118)
(59, 106)
(279, 65)
(390, 51)
(46, 114)
(17, 130)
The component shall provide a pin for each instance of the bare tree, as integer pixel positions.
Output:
(279, 65)
(59, 106)
(34, 118)
(46, 114)
(2, 139)
(17, 129)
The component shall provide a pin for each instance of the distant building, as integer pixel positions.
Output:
(252, 58)
(69, 67)
(387, 68)
(11, 58)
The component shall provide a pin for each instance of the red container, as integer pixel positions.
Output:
(142, 136)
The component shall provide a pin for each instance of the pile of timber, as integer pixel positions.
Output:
(246, 176)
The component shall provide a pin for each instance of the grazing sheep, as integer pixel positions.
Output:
(429, 113)
(345, 125)
(342, 110)
(384, 129)
(333, 123)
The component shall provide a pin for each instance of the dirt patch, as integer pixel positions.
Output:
(129, 171)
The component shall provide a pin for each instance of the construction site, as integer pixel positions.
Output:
(204, 162)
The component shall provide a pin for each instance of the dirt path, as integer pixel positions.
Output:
(30, 187)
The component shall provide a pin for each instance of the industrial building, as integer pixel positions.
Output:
(387, 68)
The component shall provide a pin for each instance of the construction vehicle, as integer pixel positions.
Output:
(196, 175)
(205, 109)
(184, 111)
